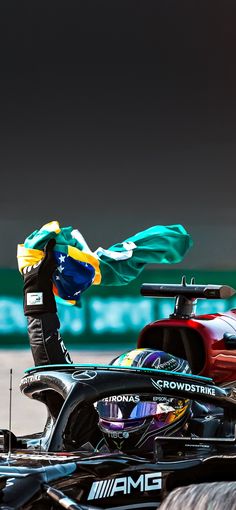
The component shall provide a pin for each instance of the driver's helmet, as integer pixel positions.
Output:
(133, 421)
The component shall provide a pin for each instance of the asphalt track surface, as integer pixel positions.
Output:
(29, 416)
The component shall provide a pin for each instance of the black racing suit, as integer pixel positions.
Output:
(48, 349)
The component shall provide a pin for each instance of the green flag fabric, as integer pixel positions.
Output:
(123, 262)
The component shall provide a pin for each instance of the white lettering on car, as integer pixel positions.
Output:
(122, 398)
(193, 388)
(125, 485)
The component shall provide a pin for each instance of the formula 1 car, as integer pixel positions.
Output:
(36, 472)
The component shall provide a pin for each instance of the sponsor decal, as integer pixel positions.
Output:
(198, 445)
(88, 375)
(30, 378)
(159, 398)
(162, 385)
(10, 482)
(118, 435)
(38, 456)
(166, 365)
(34, 298)
(157, 384)
(125, 485)
(64, 349)
(122, 398)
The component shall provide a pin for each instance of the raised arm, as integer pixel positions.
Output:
(41, 312)
(47, 346)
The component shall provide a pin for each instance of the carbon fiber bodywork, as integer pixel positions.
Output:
(39, 473)
(47, 470)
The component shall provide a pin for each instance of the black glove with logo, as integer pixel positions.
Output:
(38, 293)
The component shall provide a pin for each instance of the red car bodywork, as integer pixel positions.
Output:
(202, 339)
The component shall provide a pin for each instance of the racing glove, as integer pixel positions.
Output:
(38, 293)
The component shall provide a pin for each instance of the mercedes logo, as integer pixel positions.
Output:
(84, 376)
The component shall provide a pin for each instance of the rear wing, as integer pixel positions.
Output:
(186, 295)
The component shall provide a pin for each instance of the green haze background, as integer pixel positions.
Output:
(110, 317)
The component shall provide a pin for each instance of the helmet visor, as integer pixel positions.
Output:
(133, 407)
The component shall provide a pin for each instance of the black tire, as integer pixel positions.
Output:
(204, 496)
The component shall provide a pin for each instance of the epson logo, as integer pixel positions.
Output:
(122, 398)
(125, 485)
(172, 385)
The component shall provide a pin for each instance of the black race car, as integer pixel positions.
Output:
(41, 472)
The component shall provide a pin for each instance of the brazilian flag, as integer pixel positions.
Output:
(78, 267)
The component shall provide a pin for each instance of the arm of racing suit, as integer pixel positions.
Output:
(47, 345)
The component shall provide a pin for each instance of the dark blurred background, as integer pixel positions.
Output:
(115, 115)
(119, 115)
